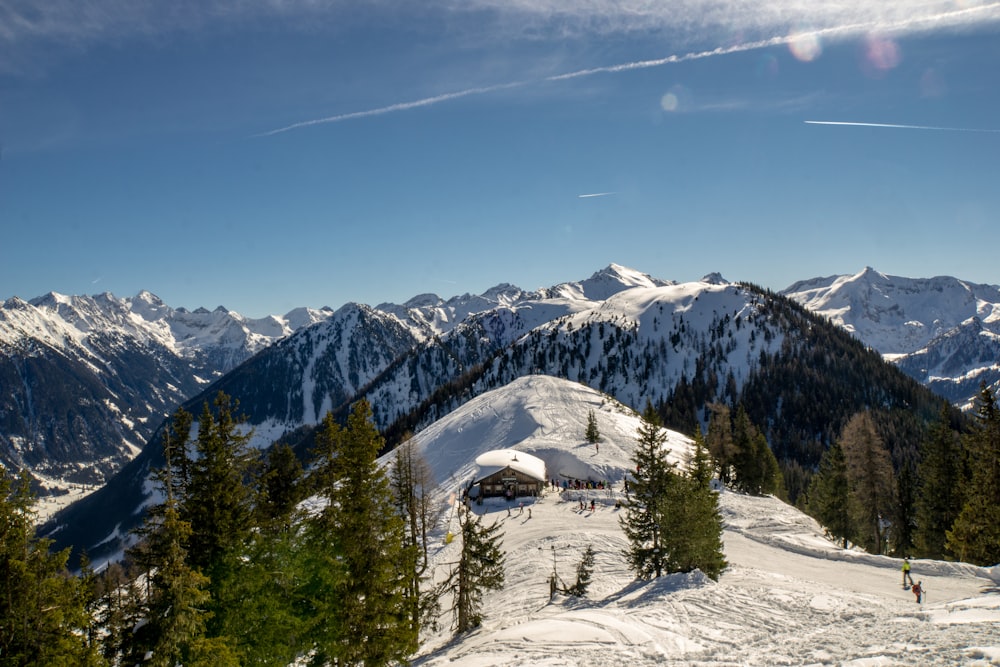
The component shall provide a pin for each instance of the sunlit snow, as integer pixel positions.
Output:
(789, 597)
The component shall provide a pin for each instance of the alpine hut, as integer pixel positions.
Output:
(509, 474)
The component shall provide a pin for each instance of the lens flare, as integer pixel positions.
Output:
(805, 47)
(881, 54)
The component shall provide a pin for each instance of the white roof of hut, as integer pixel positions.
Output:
(498, 459)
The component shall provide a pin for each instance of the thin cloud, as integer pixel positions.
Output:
(945, 18)
(897, 126)
(596, 194)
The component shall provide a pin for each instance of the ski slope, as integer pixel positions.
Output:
(789, 596)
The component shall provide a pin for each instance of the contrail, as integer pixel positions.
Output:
(596, 194)
(900, 127)
(645, 64)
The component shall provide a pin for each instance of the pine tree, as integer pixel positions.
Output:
(755, 469)
(869, 474)
(975, 536)
(904, 519)
(721, 443)
(369, 539)
(829, 495)
(644, 517)
(584, 573)
(593, 434)
(939, 499)
(480, 568)
(281, 487)
(173, 630)
(43, 617)
(692, 536)
(218, 500)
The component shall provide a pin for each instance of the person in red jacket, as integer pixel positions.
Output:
(918, 590)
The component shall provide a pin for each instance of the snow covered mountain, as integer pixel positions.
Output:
(87, 379)
(629, 336)
(942, 331)
(789, 596)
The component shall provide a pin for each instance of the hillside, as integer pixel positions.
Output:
(790, 596)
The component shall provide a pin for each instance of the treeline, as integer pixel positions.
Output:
(943, 503)
(232, 567)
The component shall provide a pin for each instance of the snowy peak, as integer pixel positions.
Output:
(916, 323)
(606, 283)
(893, 314)
(543, 416)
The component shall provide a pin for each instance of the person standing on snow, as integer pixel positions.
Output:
(906, 572)
(918, 590)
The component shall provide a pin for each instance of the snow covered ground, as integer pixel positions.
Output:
(789, 596)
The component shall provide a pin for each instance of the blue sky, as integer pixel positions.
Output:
(269, 155)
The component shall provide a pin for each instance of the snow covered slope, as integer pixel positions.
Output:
(942, 331)
(789, 597)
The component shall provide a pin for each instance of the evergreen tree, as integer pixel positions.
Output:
(218, 501)
(720, 442)
(904, 515)
(755, 469)
(118, 612)
(939, 500)
(869, 474)
(593, 434)
(43, 616)
(173, 630)
(480, 567)
(829, 495)
(692, 521)
(584, 573)
(644, 517)
(369, 539)
(281, 487)
(975, 535)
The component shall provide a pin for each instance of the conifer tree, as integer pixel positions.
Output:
(43, 617)
(939, 499)
(593, 434)
(755, 469)
(480, 567)
(173, 628)
(829, 495)
(720, 442)
(692, 524)
(218, 500)
(369, 540)
(584, 573)
(644, 517)
(869, 474)
(281, 487)
(975, 536)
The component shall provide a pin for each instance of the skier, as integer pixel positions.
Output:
(918, 590)
(906, 572)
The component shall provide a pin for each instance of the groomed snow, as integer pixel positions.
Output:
(789, 597)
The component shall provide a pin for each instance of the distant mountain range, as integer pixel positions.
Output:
(89, 379)
(620, 332)
(943, 332)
